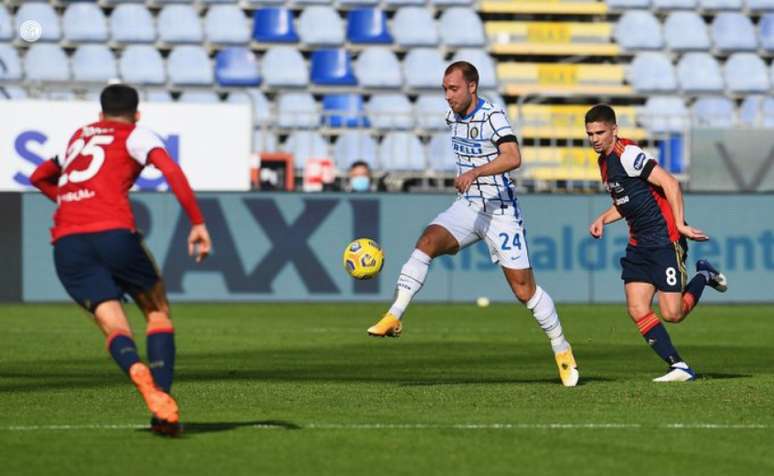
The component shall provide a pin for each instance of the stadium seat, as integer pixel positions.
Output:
(402, 3)
(378, 67)
(627, 4)
(699, 73)
(264, 141)
(430, 111)
(284, 66)
(757, 111)
(494, 98)
(10, 64)
(332, 67)
(157, 95)
(347, 4)
(715, 5)
(344, 110)
(713, 111)
(414, 26)
(443, 3)
(83, 22)
(6, 24)
(261, 3)
(760, 5)
(262, 113)
(42, 13)
(402, 151)
(321, 26)
(461, 26)
(638, 30)
(189, 65)
(674, 4)
(686, 31)
(652, 72)
(179, 23)
(732, 31)
(766, 32)
(274, 25)
(12, 92)
(352, 146)
(664, 114)
(94, 63)
(237, 66)
(746, 73)
(199, 96)
(311, 2)
(304, 145)
(390, 111)
(423, 68)
(483, 62)
(442, 156)
(297, 111)
(131, 23)
(226, 24)
(368, 25)
(46, 62)
(142, 64)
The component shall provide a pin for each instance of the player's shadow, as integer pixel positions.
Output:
(193, 428)
(432, 383)
(720, 376)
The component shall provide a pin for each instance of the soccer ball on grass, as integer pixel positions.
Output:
(363, 258)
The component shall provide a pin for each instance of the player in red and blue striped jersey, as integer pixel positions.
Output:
(650, 200)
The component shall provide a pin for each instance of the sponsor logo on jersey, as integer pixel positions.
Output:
(639, 161)
(466, 146)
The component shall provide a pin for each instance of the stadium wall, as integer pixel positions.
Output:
(287, 247)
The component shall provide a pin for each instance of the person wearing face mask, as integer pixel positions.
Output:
(360, 177)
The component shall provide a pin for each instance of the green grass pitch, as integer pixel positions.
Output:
(300, 389)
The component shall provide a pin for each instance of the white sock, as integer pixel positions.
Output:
(542, 307)
(412, 277)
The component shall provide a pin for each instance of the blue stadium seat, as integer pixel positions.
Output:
(84, 22)
(10, 64)
(368, 25)
(757, 111)
(142, 64)
(94, 63)
(332, 67)
(262, 3)
(284, 66)
(716, 5)
(218, 1)
(713, 111)
(264, 140)
(347, 4)
(746, 73)
(686, 31)
(179, 23)
(766, 32)
(304, 145)
(652, 72)
(131, 23)
(226, 24)
(199, 96)
(732, 31)
(42, 13)
(189, 65)
(414, 26)
(699, 73)
(352, 146)
(312, 2)
(402, 3)
(627, 4)
(442, 156)
(423, 68)
(12, 92)
(483, 62)
(6, 24)
(390, 111)
(378, 67)
(430, 111)
(237, 66)
(674, 4)
(664, 114)
(321, 25)
(344, 110)
(443, 3)
(46, 62)
(402, 151)
(274, 25)
(760, 5)
(461, 26)
(297, 111)
(638, 30)
(157, 95)
(257, 100)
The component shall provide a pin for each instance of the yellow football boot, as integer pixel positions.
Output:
(388, 326)
(568, 369)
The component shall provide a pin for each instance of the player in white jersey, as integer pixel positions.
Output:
(486, 209)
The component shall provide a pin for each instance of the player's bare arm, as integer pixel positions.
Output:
(671, 187)
(611, 215)
(508, 159)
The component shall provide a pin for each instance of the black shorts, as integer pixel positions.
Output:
(662, 267)
(102, 266)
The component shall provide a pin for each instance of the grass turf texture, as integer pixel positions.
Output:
(309, 375)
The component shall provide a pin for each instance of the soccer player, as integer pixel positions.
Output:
(99, 254)
(650, 200)
(486, 209)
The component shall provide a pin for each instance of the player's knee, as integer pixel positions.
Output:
(159, 320)
(638, 312)
(672, 315)
(523, 292)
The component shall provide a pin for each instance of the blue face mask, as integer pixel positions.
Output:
(361, 183)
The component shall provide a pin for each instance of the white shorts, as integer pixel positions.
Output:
(503, 234)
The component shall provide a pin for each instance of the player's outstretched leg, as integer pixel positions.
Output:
(544, 311)
(706, 275)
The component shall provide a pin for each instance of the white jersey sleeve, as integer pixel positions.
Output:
(140, 142)
(498, 121)
(636, 162)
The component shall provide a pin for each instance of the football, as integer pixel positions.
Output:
(363, 258)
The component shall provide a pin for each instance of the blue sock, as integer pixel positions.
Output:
(656, 336)
(161, 357)
(123, 350)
